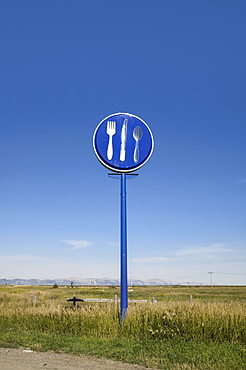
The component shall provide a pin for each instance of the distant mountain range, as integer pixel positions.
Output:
(89, 281)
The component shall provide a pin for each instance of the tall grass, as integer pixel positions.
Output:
(201, 321)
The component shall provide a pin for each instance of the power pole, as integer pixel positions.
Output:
(211, 280)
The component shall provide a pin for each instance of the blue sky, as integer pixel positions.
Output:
(179, 66)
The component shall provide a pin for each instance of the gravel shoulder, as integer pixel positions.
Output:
(20, 359)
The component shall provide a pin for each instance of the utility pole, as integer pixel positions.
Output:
(211, 280)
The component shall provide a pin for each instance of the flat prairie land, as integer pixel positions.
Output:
(178, 327)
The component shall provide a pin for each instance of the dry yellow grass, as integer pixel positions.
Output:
(48, 312)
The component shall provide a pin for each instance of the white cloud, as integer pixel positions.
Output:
(78, 244)
(21, 257)
(113, 244)
(213, 249)
(241, 181)
(151, 259)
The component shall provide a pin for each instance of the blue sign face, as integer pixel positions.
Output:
(123, 142)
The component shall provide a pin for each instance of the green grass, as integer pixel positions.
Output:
(210, 333)
(161, 293)
(166, 354)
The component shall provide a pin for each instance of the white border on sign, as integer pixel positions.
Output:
(118, 169)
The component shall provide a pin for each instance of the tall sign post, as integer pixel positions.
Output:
(123, 143)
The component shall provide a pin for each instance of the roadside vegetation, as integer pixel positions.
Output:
(187, 328)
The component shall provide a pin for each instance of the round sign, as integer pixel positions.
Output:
(123, 142)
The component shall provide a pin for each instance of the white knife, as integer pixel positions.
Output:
(123, 141)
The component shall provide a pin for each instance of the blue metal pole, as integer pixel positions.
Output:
(123, 248)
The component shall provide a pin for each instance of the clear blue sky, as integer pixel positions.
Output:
(180, 66)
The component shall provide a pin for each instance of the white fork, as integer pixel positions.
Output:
(111, 130)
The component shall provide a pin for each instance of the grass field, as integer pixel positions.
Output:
(188, 327)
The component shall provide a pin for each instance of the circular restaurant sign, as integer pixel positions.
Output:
(123, 142)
